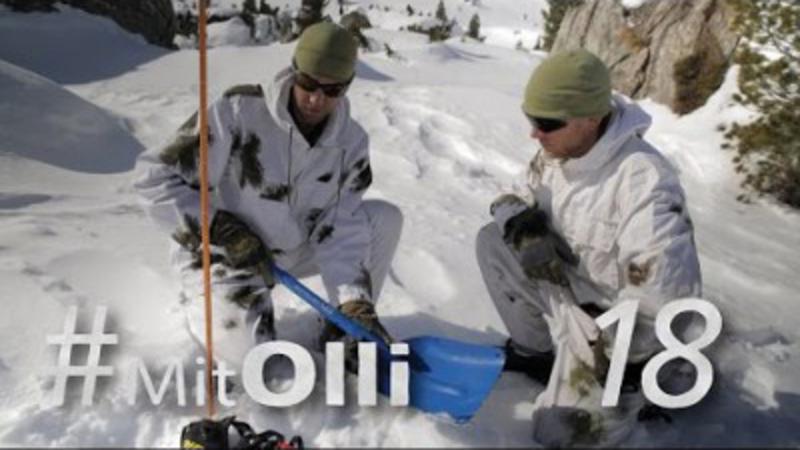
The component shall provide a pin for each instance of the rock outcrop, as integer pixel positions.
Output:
(673, 51)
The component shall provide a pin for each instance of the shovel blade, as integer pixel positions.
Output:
(448, 376)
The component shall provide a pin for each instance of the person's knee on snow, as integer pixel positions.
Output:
(386, 223)
(601, 219)
(515, 296)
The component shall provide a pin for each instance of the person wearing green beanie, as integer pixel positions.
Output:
(324, 66)
(570, 89)
(602, 218)
(288, 167)
(327, 50)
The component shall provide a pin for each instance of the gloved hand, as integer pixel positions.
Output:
(363, 312)
(542, 251)
(243, 249)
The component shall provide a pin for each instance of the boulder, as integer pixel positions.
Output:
(675, 52)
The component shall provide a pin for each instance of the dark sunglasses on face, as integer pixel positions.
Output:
(309, 84)
(546, 125)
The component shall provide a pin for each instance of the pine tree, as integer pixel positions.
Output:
(309, 14)
(441, 13)
(768, 148)
(553, 17)
(249, 7)
(389, 52)
(248, 15)
(264, 8)
(474, 27)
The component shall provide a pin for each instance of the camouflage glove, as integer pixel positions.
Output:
(361, 311)
(542, 251)
(243, 249)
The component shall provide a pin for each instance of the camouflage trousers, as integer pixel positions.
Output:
(542, 317)
(242, 306)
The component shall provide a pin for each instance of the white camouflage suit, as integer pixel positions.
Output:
(304, 202)
(622, 211)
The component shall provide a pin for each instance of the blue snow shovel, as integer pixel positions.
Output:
(446, 375)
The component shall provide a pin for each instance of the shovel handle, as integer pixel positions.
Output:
(327, 311)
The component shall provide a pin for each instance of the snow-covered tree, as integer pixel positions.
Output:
(768, 148)
(441, 13)
(248, 14)
(310, 13)
(249, 7)
(474, 30)
(264, 8)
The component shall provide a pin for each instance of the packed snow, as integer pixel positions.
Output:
(446, 137)
(633, 4)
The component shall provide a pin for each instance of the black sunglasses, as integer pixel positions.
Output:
(546, 125)
(309, 84)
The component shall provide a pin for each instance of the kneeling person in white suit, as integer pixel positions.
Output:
(602, 219)
(288, 167)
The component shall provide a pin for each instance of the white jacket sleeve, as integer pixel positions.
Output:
(168, 179)
(341, 241)
(657, 257)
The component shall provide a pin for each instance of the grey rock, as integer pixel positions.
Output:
(355, 21)
(645, 46)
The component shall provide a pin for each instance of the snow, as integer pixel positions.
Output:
(446, 136)
(61, 42)
(68, 132)
(232, 32)
(633, 4)
(506, 24)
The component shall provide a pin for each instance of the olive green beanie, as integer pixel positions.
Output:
(569, 84)
(326, 50)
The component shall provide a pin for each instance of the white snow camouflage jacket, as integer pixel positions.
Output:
(263, 171)
(622, 210)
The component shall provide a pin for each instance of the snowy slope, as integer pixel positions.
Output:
(72, 47)
(446, 137)
(504, 23)
(69, 132)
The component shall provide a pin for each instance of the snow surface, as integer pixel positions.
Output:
(231, 32)
(446, 136)
(633, 4)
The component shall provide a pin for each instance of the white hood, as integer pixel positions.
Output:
(277, 97)
(627, 120)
